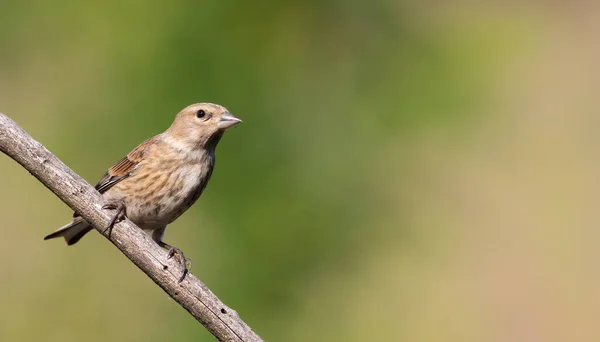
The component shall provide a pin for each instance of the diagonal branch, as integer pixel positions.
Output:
(223, 322)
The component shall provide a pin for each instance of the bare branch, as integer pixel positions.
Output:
(223, 322)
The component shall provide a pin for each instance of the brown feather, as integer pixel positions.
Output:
(124, 168)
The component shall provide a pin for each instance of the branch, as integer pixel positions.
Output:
(223, 322)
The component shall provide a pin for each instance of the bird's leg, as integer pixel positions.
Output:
(172, 251)
(119, 214)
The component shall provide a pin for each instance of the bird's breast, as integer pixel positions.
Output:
(159, 193)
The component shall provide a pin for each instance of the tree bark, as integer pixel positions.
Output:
(223, 322)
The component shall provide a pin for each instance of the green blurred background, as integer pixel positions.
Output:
(406, 171)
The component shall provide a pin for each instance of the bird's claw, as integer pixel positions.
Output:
(118, 217)
(183, 261)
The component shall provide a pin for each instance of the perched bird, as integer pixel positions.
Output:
(162, 177)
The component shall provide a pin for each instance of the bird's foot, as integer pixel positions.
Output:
(118, 217)
(183, 261)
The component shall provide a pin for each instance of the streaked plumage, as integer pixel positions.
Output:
(162, 177)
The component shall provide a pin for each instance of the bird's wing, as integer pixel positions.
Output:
(123, 168)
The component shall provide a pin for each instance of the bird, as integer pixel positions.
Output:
(162, 177)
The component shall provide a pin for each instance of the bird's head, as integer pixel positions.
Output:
(201, 125)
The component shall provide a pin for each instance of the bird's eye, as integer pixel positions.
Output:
(200, 113)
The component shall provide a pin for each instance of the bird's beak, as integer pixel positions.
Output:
(228, 120)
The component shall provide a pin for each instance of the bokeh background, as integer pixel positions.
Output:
(406, 171)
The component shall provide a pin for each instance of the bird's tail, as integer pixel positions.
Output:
(72, 232)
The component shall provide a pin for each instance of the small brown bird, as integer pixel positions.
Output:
(162, 177)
